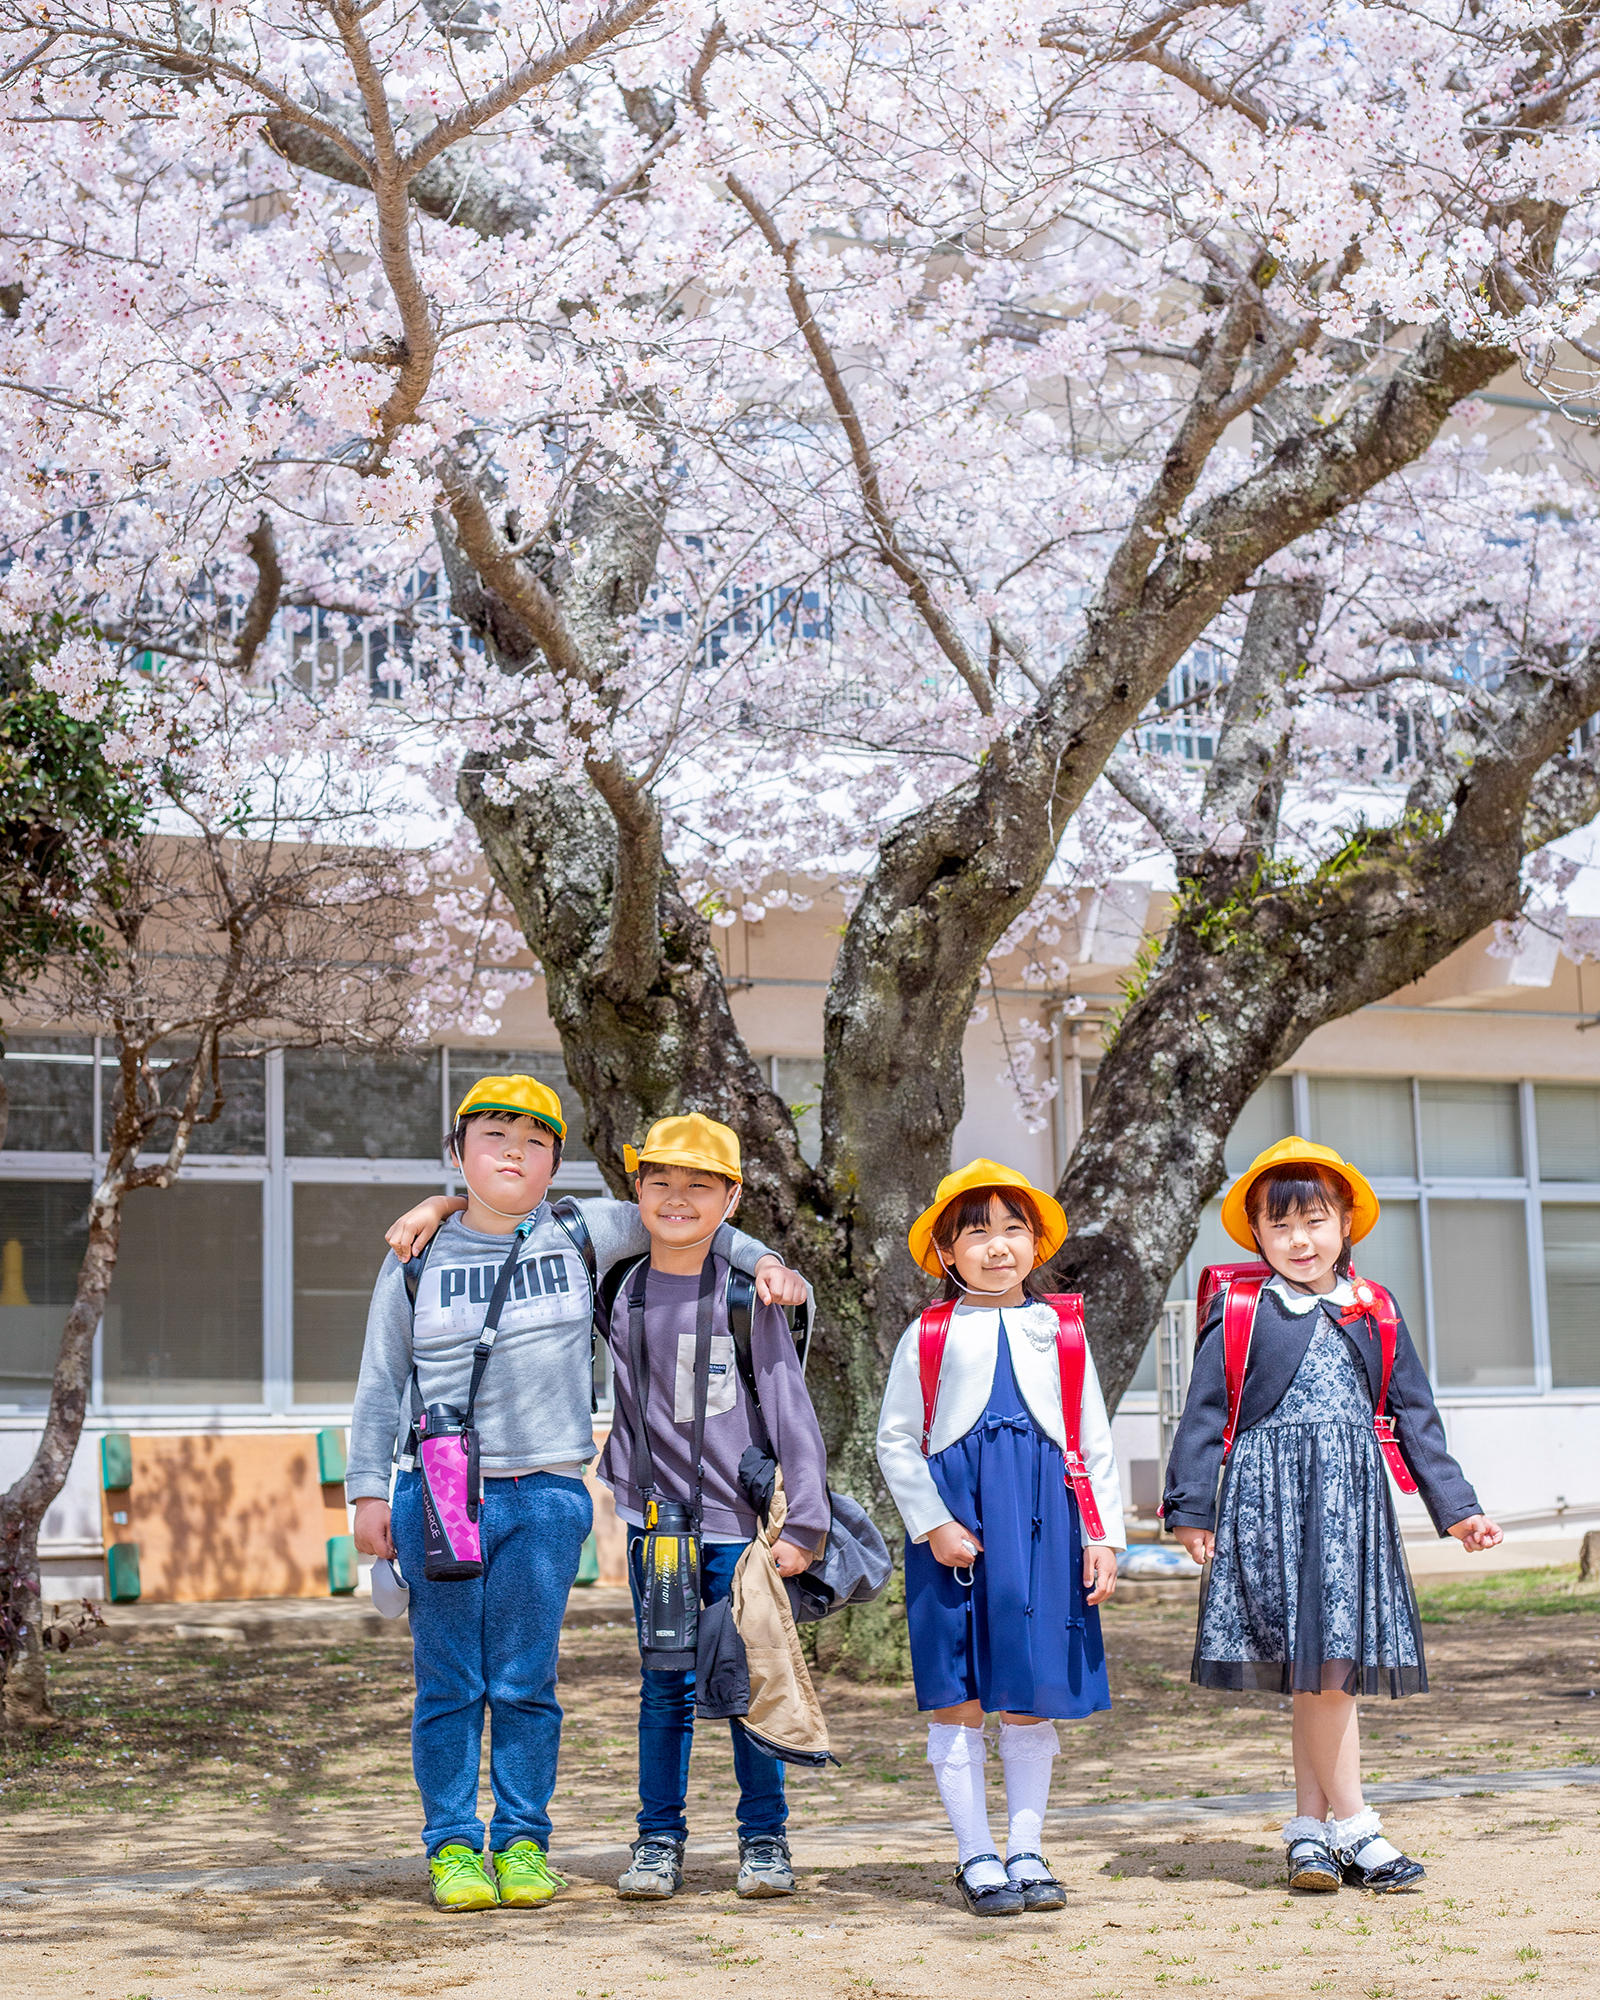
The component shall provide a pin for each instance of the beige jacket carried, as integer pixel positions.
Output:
(784, 1710)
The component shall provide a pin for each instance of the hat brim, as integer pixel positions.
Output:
(672, 1157)
(516, 1111)
(1364, 1204)
(1052, 1215)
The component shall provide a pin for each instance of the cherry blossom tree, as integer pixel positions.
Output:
(808, 439)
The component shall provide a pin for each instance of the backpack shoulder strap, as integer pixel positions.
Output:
(1239, 1304)
(1382, 1310)
(568, 1217)
(1072, 1349)
(932, 1334)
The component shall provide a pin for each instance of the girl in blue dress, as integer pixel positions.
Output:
(1002, 1577)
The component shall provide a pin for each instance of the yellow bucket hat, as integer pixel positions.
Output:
(986, 1174)
(1297, 1152)
(525, 1095)
(691, 1141)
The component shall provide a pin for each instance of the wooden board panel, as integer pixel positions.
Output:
(227, 1516)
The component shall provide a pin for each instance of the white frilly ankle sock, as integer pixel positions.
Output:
(1304, 1827)
(956, 1754)
(1346, 1832)
(1027, 1752)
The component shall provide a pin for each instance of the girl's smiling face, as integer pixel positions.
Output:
(992, 1257)
(1304, 1245)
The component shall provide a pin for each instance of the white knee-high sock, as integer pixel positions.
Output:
(1027, 1751)
(956, 1754)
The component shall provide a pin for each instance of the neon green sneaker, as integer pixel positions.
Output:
(526, 1879)
(460, 1880)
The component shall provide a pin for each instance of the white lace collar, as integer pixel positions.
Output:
(1303, 1302)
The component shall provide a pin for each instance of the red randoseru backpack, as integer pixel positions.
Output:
(1071, 1357)
(1241, 1285)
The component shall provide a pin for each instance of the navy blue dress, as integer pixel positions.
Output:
(1024, 1638)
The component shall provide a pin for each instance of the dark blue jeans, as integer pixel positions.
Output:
(666, 1725)
(491, 1643)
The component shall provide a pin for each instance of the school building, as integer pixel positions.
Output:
(226, 1361)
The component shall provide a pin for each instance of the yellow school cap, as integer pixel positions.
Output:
(525, 1095)
(691, 1141)
(977, 1174)
(1298, 1152)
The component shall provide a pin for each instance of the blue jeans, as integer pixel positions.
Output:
(666, 1725)
(492, 1641)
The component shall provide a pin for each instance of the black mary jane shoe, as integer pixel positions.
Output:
(1003, 1900)
(1383, 1879)
(1044, 1892)
(1313, 1867)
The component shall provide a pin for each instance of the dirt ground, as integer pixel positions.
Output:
(288, 1767)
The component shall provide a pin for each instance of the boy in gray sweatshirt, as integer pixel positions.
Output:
(491, 1640)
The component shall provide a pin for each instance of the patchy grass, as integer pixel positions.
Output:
(1516, 1593)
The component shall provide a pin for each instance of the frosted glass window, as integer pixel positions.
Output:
(44, 1232)
(467, 1065)
(1569, 1132)
(49, 1082)
(1144, 1376)
(338, 1252)
(1267, 1117)
(800, 1086)
(183, 1321)
(360, 1107)
(1391, 1254)
(1572, 1286)
(239, 1128)
(1470, 1131)
(1482, 1315)
(1367, 1120)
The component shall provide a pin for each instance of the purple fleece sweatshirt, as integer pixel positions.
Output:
(669, 1333)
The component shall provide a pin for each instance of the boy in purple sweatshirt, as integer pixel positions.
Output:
(688, 1184)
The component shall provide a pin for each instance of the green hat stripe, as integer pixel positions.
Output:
(516, 1111)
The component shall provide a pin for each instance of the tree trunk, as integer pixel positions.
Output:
(23, 1508)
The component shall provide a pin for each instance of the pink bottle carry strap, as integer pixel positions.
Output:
(1071, 1358)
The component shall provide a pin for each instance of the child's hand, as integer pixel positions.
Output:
(1476, 1533)
(1099, 1572)
(777, 1285)
(1197, 1543)
(953, 1545)
(418, 1225)
(373, 1535)
(789, 1559)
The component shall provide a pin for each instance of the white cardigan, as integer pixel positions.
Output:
(965, 1380)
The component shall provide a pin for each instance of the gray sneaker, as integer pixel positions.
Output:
(655, 1872)
(764, 1866)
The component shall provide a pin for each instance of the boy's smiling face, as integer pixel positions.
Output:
(681, 1207)
(506, 1161)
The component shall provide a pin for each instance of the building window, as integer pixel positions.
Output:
(1470, 1131)
(183, 1320)
(44, 1231)
(1482, 1313)
(49, 1083)
(1366, 1119)
(1572, 1287)
(1569, 1132)
(362, 1107)
(338, 1253)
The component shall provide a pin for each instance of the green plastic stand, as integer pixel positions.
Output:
(343, 1574)
(122, 1572)
(588, 1563)
(116, 1461)
(331, 1461)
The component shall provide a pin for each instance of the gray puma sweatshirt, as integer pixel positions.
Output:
(533, 1407)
